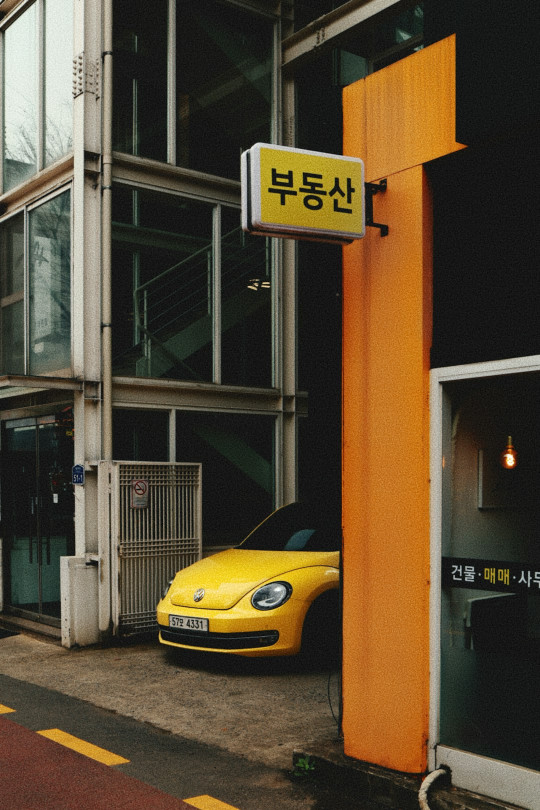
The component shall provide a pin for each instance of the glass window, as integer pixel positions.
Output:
(58, 80)
(140, 78)
(166, 292)
(140, 435)
(21, 102)
(162, 285)
(12, 294)
(36, 282)
(31, 112)
(236, 452)
(246, 308)
(49, 286)
(224, 85)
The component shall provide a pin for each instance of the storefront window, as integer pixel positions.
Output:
(490, 629)
(236, 452)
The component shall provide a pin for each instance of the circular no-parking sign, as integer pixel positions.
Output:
(139, 493)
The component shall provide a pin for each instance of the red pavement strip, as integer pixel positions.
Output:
(38, 773)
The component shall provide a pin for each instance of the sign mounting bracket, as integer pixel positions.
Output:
(370, 190)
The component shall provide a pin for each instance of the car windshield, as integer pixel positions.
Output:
(296, 527)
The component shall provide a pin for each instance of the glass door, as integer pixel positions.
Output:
(486, 550)
(38, 510)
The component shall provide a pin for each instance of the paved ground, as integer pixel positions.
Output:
(234, 724)
(258, 709)
(193, 724)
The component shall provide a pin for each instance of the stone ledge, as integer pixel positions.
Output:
(389, 789)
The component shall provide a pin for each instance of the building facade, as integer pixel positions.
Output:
(440, 563)
(139, 325)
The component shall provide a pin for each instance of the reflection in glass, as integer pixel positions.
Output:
(49, 286)
(58, 80)
(21, 99)
(12, 294)
(224, 63)
(224, 84)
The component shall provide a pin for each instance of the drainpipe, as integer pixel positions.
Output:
(104, 589)
(106, 232)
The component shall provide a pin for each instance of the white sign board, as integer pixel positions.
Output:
(139, 493)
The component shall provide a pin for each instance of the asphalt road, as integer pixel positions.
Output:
(188, 725)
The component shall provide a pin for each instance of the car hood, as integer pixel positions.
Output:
(229, 575)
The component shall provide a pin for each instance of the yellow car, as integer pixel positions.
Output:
(274, 594)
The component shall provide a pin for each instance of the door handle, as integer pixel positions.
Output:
(31, 532)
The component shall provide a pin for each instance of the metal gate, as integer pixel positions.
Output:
(155, 522)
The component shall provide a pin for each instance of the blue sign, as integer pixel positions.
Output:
(77, 474)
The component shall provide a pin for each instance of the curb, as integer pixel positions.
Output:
(390, 789)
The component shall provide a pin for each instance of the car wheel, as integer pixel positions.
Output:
(321, 633)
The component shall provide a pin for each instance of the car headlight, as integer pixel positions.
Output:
(271, 596)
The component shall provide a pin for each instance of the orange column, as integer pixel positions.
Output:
(397, 120)
(387, 317)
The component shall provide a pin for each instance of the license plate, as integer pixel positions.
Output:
(188, 623)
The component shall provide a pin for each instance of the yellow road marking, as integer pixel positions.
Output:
(208, 803)
(86, 748)
(5, 709)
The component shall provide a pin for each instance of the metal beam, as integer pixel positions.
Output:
(23, 381)
(326, 30)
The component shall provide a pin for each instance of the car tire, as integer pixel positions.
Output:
(321, 633)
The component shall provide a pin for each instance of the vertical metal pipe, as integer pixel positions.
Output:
(106, 231)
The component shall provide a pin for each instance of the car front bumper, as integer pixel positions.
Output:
(239, 631)
(219, 641)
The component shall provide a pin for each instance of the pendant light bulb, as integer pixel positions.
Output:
(509, 456)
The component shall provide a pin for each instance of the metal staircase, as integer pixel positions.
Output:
(173, 311)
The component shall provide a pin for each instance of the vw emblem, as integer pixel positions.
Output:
(198, 595)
